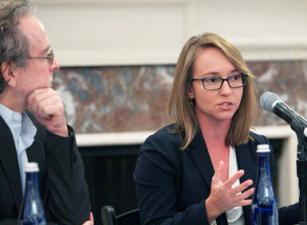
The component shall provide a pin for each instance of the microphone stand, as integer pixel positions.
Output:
(299, 125)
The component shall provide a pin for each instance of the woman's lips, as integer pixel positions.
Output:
(226, 105)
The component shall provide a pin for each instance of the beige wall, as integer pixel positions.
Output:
(121, 32)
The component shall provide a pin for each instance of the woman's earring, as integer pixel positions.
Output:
(192, 101)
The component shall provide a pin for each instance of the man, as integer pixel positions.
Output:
(32, 123)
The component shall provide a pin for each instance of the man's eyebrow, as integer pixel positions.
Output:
(45, 50)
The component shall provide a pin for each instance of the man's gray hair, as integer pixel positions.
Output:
(14, 45)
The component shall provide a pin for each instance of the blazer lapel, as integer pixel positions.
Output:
(8, 159)
(35, 153)
(245, 157)
(200, 156)
(246, 161)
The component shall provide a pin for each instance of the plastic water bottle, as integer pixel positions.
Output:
(33, 211)
(264, 206)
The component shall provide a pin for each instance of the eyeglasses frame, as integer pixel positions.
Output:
(243, 75)
(49, 57)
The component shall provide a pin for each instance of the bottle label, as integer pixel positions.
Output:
(265, 215)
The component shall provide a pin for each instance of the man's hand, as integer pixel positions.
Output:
(48, 108)
(90, 221)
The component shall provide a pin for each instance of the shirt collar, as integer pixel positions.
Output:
(9, 116)
(19, 123)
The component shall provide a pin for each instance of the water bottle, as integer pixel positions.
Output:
(33, 211)
(264, 206)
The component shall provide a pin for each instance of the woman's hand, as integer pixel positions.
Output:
(225, 195)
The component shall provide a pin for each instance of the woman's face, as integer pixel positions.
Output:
(215, 105)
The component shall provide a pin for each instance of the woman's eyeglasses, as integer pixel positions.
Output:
(215, 83)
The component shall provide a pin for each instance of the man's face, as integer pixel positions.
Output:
(39, 67)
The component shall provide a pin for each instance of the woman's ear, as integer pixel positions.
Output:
(191, 92)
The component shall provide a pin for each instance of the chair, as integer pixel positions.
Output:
(108, 216)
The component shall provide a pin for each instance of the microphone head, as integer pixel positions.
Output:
(268, 100)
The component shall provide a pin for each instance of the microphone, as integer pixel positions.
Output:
(272, 103)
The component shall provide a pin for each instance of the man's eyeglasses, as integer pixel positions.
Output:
(49, 57)
(215, 83)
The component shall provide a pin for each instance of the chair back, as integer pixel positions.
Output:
(109, 217)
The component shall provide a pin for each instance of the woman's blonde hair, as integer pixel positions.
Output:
(180, 109)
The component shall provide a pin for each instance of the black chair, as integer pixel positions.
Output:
(108, 216)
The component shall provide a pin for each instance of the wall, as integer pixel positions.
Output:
(125, 32)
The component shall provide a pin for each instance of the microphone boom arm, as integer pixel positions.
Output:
(299, 125)
(272, 103)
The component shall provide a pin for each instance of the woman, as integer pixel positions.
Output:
(201, 169)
